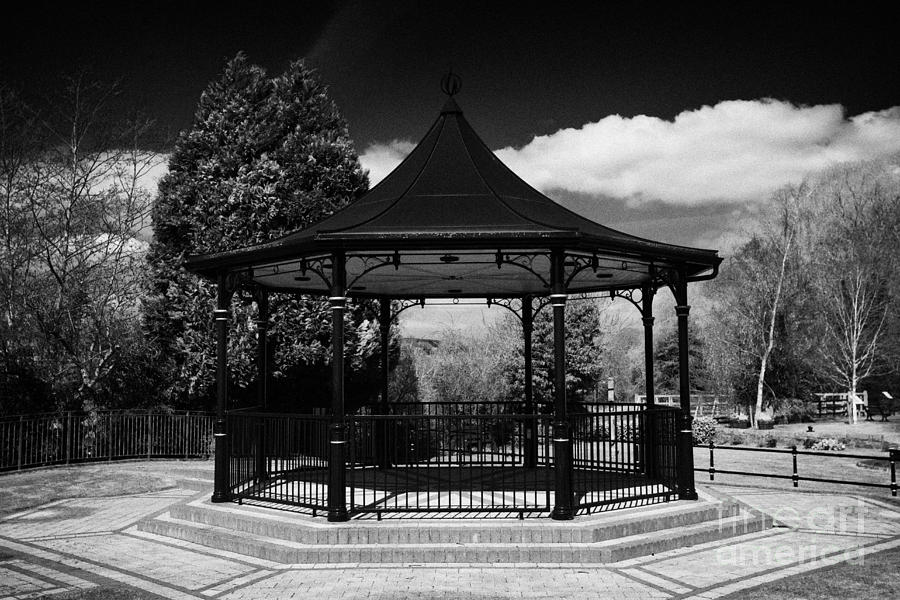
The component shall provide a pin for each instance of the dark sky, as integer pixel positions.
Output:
(527, 68)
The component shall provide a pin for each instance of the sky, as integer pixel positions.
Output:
(674, 122)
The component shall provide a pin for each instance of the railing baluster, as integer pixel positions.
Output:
(795, 477)
(893, 456)
(21, 443)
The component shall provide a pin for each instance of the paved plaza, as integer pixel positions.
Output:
(83, 543)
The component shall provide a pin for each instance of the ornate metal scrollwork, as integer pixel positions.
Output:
(639, 297)
(635, 296)
(523, 261)
(675, 280)
(541, 302)
(513, 305)
(239, 282)
(371, 263)
(403, 305)
(578, 263)
(320, 266)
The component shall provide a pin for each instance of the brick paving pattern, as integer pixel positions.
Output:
(87, 542)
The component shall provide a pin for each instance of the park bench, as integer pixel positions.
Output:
(883, 405)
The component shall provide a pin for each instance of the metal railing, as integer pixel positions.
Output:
(436, 461)
(795, 477)
(624, 456)
(457, 463)
(279, 457)
(30, 441)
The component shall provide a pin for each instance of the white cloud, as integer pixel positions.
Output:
(381, 159)
(733, 151)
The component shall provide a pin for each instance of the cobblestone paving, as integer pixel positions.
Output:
(87, 542)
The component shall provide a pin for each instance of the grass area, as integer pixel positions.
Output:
(20, 491)
(874, 576)
(838, 428)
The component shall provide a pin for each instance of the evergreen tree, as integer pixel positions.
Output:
(264, 156)
(665, 357)
(585, 353)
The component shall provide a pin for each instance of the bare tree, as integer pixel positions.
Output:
(751, 294)
(854, 273)
(19, 146)
(73, 212)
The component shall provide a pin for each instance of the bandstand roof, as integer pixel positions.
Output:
(453, 221)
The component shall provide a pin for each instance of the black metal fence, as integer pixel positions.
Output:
(279, 457)
(892, 458)
(623, 455)
(459, 463)
(438, 460)
(30, 441)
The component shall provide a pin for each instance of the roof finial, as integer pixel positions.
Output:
(451, 83)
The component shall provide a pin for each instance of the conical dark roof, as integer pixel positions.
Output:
(451, 194)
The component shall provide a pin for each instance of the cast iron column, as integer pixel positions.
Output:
(262, 379)
(262, 347)
(686, 489)
(337, 478)
(562, 443)
(647, 293)
(531, 441)
(650, 449)
(221, 316)
(382, 426)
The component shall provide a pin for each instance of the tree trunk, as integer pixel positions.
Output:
(770, 342)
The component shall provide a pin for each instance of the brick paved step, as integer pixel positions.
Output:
(611, 550)
(296, 528)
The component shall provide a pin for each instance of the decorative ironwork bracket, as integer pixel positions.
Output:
(676, 281)
(523, 261)
(635, 296)
(373, 262)
(580, 263)
(403, 305)
(237, 282)
(318, 265)
(321, 266)
(513, 305)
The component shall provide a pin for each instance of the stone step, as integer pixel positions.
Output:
(610, 550)
(200, 470)
(594, 528)
(200, 484)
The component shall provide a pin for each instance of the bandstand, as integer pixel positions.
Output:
(453, 222)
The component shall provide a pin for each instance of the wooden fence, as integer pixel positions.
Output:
(702, 405)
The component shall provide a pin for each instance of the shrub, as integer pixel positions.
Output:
(808, 443)
(827, 444)
(704, 430)
(736, 440)
(765, 424)
(741, 422)
(771, 442)
(794, 410)
(596, 434)
(627, 433)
